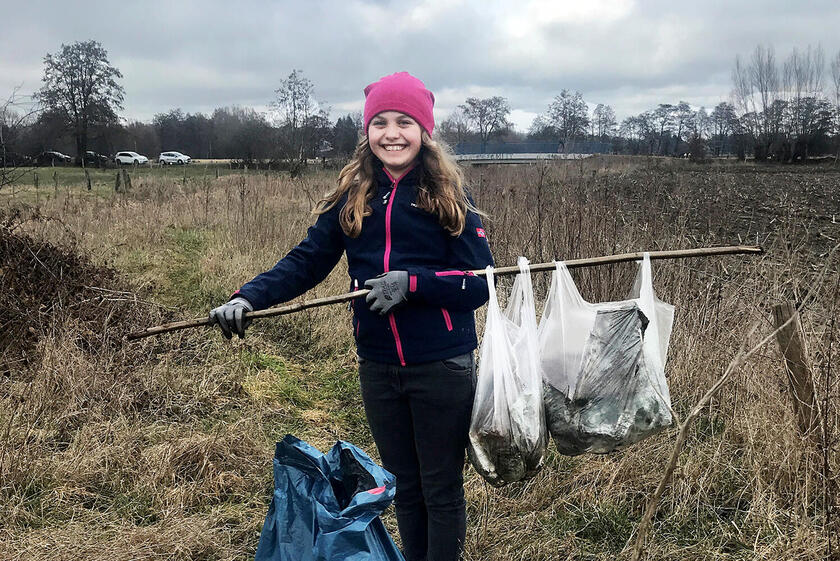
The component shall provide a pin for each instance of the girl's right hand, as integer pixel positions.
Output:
(232, 316)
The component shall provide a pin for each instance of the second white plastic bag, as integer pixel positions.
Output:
(507, 432)
(604, 365)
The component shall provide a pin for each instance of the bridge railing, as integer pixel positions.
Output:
(556, 147)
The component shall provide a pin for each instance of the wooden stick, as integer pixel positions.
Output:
(624, 257)
(501, 271)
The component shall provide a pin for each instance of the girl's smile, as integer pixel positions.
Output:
(395, 138)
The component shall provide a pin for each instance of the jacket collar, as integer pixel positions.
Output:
(411, 177)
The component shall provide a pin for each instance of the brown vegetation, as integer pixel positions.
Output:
(161, 449)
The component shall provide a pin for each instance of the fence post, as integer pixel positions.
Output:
(791, 340)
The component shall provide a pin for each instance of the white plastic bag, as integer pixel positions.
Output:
(604, 365)
(507, 432)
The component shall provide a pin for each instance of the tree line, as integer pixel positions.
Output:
(785, 110)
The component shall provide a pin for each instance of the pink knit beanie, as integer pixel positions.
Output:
(404, 93)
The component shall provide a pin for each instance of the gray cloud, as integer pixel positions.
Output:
(201, 55)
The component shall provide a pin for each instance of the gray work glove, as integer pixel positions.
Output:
(386, 291)
(232, 317)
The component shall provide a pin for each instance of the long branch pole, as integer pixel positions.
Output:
(501, 271)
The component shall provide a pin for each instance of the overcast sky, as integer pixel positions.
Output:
(629, 54)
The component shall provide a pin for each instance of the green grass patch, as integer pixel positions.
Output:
(186, 285)
(703, 528)
(135, 506)
(32, 498)
(134, 262)
(270, 379)
(308, 400)
(600, 527)
(338, 383)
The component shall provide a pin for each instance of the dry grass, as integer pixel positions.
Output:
(162, 449)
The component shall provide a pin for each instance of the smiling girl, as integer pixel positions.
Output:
(411, 235)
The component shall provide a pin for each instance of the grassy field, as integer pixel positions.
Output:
(161, 449)
(104, 178)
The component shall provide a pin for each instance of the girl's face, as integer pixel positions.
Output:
(395, 138)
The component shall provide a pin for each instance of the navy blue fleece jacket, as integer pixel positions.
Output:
(437, 321)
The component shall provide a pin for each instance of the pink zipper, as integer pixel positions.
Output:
(396, 337)
(446, 318)
(387, 256)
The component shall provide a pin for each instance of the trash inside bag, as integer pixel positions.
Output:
(327, 506)
(507, 430)
(603, 366)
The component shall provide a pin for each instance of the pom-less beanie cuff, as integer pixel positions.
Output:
(404, 93)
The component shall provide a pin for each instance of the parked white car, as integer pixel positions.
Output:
(172, 158)
(129, 158)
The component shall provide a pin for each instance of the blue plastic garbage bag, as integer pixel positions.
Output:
(327, 507)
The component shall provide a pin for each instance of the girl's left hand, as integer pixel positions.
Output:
(387, 291)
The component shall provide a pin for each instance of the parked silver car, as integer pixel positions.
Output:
(172, 158)
(129, 158)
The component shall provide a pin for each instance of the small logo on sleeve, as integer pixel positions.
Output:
(480, 232)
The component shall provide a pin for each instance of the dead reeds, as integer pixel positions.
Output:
(165, 450)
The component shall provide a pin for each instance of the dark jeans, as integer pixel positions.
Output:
(420, 416)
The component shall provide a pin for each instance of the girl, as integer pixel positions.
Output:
(411, 233)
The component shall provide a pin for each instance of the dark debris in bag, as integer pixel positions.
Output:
(499, 460)
(614, 404)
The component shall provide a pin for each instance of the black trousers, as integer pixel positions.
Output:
(419, 416)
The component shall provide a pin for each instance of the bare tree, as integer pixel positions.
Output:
(835, 78)
(663, 118)
(300, 113)
(489, 116)
(15, 113)
(81, 84)
(723, 122)
(756, 87)
(455, 128)
(702, 123)
(684, 121)
(803, 87)
(640, 132)
(603, 120)
(569, 115)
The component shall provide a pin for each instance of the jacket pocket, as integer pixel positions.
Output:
(460, 363)
(446, 319)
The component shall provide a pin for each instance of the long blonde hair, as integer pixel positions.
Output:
(440, 189)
